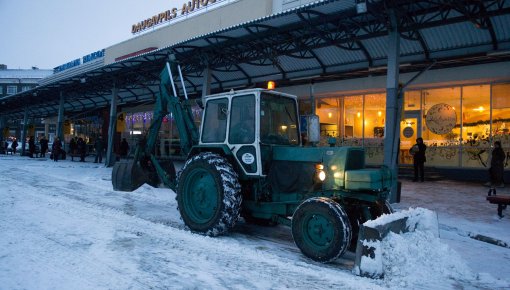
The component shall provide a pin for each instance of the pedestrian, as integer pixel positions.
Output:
(419, 159)
(72, 148)
(98, 145)
(124, 148)
(44, 146)
(55, 149)
(497, 166)
(14, 145)
(31, 147)
(81, 148)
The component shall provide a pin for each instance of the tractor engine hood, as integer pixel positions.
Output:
(336, 161)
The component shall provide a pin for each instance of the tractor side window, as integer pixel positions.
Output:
(215, 121)
(242, 120)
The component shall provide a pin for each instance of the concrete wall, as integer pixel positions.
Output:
(483, 73)
(210, 21)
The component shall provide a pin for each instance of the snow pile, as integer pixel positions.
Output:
(369, 260)
(420, 219)
(410, 257)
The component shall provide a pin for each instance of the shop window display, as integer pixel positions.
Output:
(353, 121)
(374, 118)
(501, 118)
(476, 121)
(441, 126)
(455, 123)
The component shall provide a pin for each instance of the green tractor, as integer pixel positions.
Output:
(248, 160)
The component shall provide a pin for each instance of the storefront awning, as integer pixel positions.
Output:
(324, 41)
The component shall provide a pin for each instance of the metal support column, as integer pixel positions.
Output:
(60, 121)
(24, 132)
(110, 158)
(3, 124)
(393, 104)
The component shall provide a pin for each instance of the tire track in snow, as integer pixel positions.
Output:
(153, 259)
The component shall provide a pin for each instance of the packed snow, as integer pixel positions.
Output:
(63, 227)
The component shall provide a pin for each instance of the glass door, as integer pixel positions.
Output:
(410, 129)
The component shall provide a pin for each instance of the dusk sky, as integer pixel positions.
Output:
(46, 34)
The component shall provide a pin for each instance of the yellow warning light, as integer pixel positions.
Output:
(271, 85)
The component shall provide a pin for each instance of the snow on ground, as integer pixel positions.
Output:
(63, 227)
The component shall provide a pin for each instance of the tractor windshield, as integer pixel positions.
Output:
(278, 120)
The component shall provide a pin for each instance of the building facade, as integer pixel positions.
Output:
(459, 111)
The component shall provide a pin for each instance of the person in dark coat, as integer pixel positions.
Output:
(14, 145)
(82, 148)
(44, 146)
(419, 159)
(31, 147)
(55, 149)
(497, 168)
(98, 145)
(124, 148)
(72, 148)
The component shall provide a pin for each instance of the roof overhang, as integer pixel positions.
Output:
(323, 41)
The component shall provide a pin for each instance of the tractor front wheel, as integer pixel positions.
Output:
(208, 194)
(321, 229)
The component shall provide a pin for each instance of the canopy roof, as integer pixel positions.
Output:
(323, 41)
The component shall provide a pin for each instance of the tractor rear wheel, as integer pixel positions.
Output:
(208, 194)
(321, 229)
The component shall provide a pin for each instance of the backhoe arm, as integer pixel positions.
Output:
(128, 176)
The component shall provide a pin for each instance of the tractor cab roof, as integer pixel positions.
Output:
(247, 91)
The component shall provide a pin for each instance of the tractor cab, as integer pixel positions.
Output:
(250, 122)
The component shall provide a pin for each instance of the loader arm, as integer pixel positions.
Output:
(167, 101)
(128, 176)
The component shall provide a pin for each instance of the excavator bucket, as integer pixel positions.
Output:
(127, 176)
(369, 256)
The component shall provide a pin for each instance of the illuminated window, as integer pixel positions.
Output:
(353, 125)
(501, 114)
(375, 113)
(476, 124)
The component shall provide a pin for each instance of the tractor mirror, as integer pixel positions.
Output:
(314, 134)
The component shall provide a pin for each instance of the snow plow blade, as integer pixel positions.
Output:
(369, 256)
(127, 176)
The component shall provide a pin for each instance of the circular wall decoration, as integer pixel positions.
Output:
(441, 119)
(408, 132)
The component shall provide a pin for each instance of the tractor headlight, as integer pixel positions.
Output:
(321, 175)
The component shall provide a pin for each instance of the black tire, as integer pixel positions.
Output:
(321, 229)
(208, 194)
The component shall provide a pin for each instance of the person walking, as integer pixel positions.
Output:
(72, 148)
(55, 149)
(419, 159)
(14, 145)
(44, 146)
(81, 147)
(31, 147)
(497, 167)
(124, 148)
(98, 145)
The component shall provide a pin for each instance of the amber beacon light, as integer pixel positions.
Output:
(271, 85)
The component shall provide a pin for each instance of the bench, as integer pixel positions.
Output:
(501, 200)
